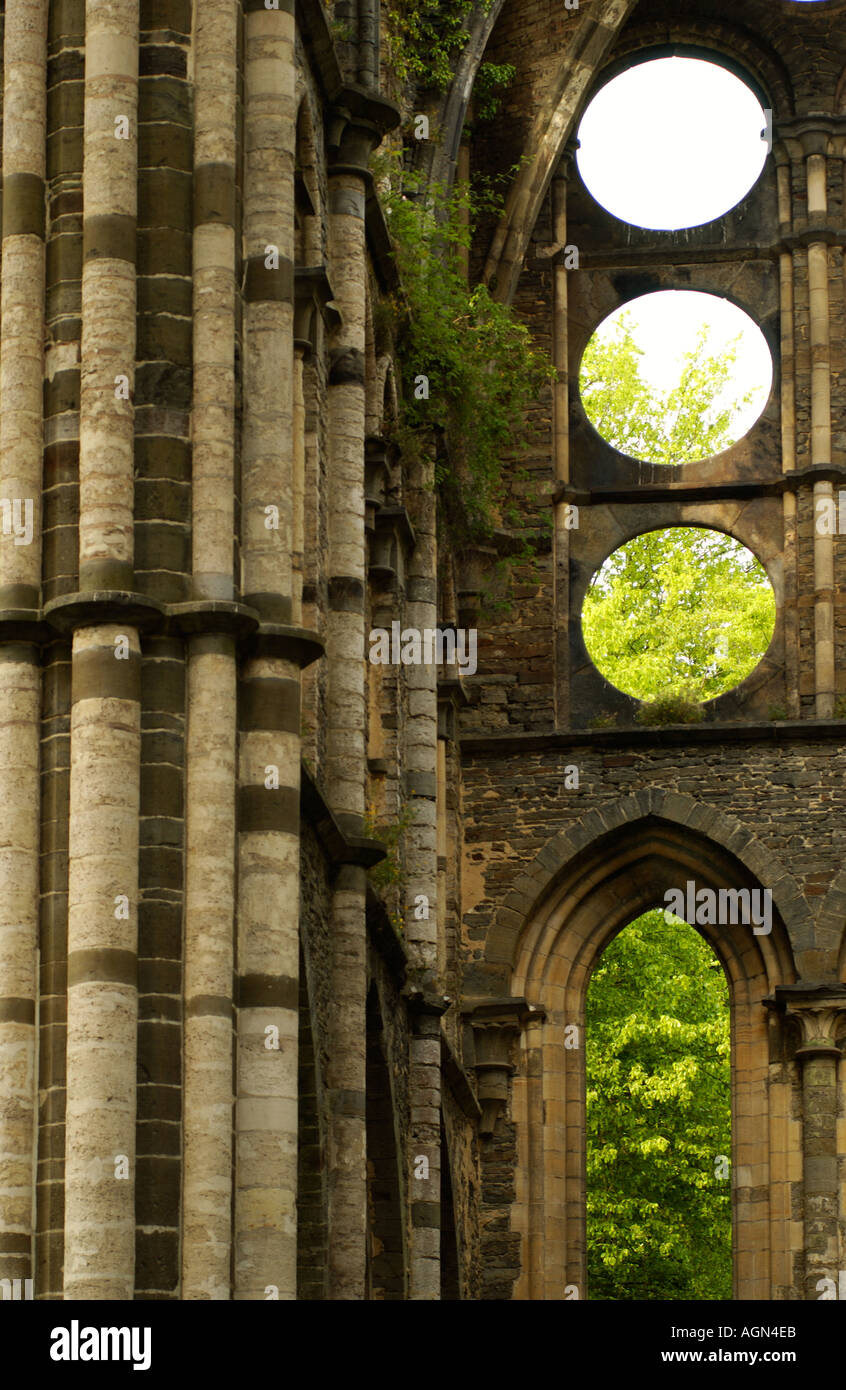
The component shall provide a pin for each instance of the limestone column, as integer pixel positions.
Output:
(820, 336)
(298, 520)
(345, 738)
(21, 377)
(788, 434)
(212, 678)
(105, 718)
(561, 445)
(356, 129)
(817, 1014)
(269, 696)
(421, 890)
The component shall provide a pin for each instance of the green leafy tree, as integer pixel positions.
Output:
(689, 421)
(657, 1049)
(682, 611)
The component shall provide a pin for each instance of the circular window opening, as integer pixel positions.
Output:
(679, 616)
(675, 376)
(672, 143)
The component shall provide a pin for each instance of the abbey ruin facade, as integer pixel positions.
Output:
(236, 1060)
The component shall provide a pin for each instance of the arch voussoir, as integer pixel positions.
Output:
(678, 810)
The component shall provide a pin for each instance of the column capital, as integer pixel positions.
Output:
(816, 1010)
(358, 119)
(313, 296)
(496, 1023)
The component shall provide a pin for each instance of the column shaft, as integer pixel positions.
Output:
(820, 336)
(21, 387)
(212, 678)
(421, 883)
(345, 738)
(105, 717)
(561, 454)
(269, 697)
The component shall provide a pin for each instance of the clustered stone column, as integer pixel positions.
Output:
(817, 1013)
(212, 681)
(422, 905)
(803, 157)
(356, 127)
(21, 378)
(105, 717)
(269, 696)
(788, 432)
(345, 735)
(561, 436)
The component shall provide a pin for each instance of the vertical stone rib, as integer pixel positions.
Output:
(209, 959)
(421, 863)
(21, 373)
(345, 738)
(21, 347)
(269, 697)
(102, 957)
(298, 528)
(19, 842)
(561, 453)
(212, 687)
(788, 439)
(215, 152)
(105, 717)
(106, 447)
(820, 335)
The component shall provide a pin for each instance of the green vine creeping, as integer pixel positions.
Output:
(424, 37)
(469, 366)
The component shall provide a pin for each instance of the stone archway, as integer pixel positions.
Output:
(594, 893)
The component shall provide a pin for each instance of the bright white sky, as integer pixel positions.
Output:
(672, 143)
(668, 144)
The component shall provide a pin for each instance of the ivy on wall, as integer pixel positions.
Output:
(423, 39)
(470, 368)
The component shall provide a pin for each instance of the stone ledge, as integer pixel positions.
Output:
(458, 1081)
(338, 847)
(385, 938)
(637, 735)
(212, 616)
(99, 607)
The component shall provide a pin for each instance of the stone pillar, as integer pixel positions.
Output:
(21, 386)
(212, 687)
(269, 696)
(561, 438)
(788, 434)
(817, 1012)
(421, 907)
(815, 144)
(105, 717)
(355, 129)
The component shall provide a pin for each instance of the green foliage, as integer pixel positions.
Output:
(387, 875)
(669, 709)
(681, 612)
(840, 707)
(603, 721)
(657, 1048)
(686, 423)
(492, 80)
(423, 38)
(482, 369)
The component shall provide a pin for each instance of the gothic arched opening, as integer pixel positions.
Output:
(609, 876)
(658, 1116)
